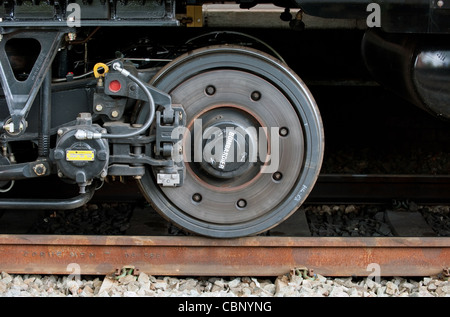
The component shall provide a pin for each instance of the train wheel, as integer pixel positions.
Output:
(260, 146)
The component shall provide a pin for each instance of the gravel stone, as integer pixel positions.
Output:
(391, 288)
(234, 283)
(288, 285)
(73, 287)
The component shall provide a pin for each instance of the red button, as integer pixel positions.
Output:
(114, 85)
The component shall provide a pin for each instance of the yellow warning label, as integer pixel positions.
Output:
(79, 155)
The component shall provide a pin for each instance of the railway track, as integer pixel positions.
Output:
(187, 256)
(154, 251)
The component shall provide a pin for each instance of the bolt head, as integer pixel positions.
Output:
(58, 154)
(284, 131)
(197, 197)
(39, 169)
(102, 155)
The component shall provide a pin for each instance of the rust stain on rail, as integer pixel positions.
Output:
(196, 256)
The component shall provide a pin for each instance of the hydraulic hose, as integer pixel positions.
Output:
(151, 116)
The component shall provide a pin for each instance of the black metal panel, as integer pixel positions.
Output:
(349, 9)
(87, 13)
(416, 16)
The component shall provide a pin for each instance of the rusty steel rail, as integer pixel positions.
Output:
(197, 256)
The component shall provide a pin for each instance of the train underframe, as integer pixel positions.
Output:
(223, 137)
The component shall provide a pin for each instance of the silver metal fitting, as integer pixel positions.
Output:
(120, 69)
(87, 135)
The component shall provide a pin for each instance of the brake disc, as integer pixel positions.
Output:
(253, 143)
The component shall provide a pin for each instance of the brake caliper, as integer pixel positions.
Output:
(169, 121)
(169, 135)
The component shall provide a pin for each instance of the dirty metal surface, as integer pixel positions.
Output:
(197, 256)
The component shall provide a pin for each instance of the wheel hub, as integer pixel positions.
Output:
(227, 142)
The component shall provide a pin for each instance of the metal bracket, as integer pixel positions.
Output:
(195, 15)
(164, 131)
(113, 108)
(131, 90)
(20, 95)
(27, 170)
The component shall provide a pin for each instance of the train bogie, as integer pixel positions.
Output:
(222, 136)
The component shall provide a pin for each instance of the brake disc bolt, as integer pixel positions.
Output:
(241, 203)
(277, 176)
(256, 95)
(210, 90)
(197, 197)
(284, 131)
